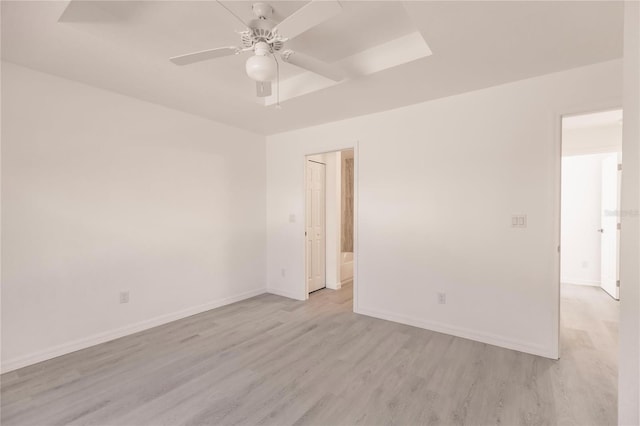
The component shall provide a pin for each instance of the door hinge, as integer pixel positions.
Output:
(619, 166)
(618, 283)
(619, 226)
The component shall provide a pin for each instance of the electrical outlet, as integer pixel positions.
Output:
(283, 272)
(442, 298)
(124, 297)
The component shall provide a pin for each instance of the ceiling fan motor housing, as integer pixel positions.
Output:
(261, 30)
(256, 35)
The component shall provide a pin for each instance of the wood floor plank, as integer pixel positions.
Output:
(274, 361)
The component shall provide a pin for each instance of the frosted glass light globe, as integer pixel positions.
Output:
(261, 68)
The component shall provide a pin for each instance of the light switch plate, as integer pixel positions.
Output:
(518, 220)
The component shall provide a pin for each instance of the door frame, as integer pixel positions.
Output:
(557, 117)
(349, 146)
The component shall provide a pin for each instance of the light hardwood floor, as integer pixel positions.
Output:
(274, 361)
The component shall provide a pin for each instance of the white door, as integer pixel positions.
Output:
(610, 240)
(315, 225)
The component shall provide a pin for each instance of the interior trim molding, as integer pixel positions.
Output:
(282, 293)
(96, 339)
(334, 286)
(478, 336)
(580, 282)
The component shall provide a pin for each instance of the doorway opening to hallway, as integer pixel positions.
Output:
(329, 221)
(589, 249)
(590, 200)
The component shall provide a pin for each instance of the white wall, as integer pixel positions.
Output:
(629, 361)
(103, 193)
(437, 183)
(581, 217)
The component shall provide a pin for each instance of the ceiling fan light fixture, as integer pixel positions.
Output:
(261, 67)
(266, 39)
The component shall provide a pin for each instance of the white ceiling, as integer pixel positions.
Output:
(124, 46)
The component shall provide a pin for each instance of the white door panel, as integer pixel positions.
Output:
(610, 240)
(315, 225)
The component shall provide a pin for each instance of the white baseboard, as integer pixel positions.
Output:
(581, 282)
(283, 293)
(334, 286)
(475, 335)
(76, 345)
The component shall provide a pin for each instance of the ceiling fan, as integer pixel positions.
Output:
(265, 38)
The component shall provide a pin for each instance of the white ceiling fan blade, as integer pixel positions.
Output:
(204, 55)
(244, 24)
(263, 89)
(312, 64)
(307, 17)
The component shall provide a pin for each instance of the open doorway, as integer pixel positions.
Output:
(590, 230)
(589, 246)
(329, 222)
